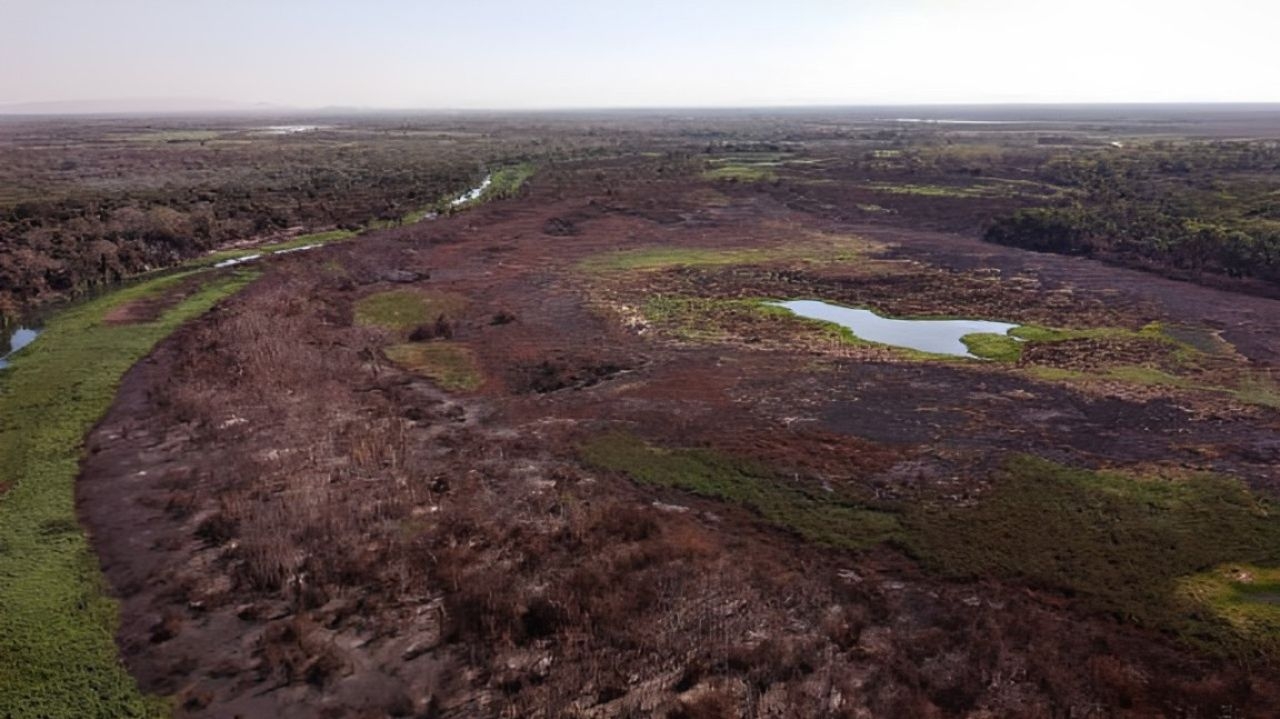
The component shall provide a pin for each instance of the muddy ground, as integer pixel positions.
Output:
(298, 526)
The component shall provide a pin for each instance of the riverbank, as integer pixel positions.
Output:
(500, 183)
(57, 625)
(57, 648)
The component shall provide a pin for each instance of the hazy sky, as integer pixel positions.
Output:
(601, 53)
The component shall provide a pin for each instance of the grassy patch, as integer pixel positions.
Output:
(404, 309)
(507, 181)
(1147, 549)
(823, 519)
(1037, 333)
(1187, 349)
(318, 238)
(503, 183)
(741, 173)
(171, 136)
(752, 158)
(821, 249)
(1199, 339)
(1244, 596)
(1120, 544)
(416, 216)
(449, 364)
(711, 319)
(1148, 377)
(936, 190)
(57, 649)
(991, 346)
(663, 258)
(1257, 388)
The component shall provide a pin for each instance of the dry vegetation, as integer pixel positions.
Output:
(552, 457)
(367, 531)
(380, 545)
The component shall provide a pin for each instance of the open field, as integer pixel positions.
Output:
(557, 454)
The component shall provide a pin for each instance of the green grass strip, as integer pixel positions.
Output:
(507, 181)
(319, 238)
(1118, 543)
(57, 625)
(817, 518)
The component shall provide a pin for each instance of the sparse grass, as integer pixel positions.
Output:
(1148, 376)
(1199, 339)
(503, 183)
(817, 249)
(1120, 544)
(712, 319)
(171, 136)
(1055, 374)
(1259, 389)
(936, 190)
(449, 364)
(708, 319)
(1009, 348)
(991, 346)
(1244, 596)
(752, 158)
(1138, 375)
(1169, 350)
(508, 180)
(404, 309)
(1132, 546)
(1037, 333)
(416, 216)
(662, 258)
(57, 653)
(1186, 349)
(318, 238)
(741, 173)
(823, 519)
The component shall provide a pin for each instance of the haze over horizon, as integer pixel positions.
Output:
(80, 55)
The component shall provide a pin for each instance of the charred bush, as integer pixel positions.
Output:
(441, 329)
(554, 375)
(559, 227)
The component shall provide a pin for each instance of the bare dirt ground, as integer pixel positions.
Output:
(297, 526)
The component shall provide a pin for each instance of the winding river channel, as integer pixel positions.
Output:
(17, 336)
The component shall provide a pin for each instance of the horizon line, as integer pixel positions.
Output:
(16, 109)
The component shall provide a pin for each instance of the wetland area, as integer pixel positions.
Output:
(702, 415)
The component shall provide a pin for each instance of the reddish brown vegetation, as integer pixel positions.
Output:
(318, 533)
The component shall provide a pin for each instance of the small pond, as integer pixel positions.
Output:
(935, 336)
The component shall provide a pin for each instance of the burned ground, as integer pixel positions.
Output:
(618, 487)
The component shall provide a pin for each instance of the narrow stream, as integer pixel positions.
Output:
(474, 193)
(15, 338)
